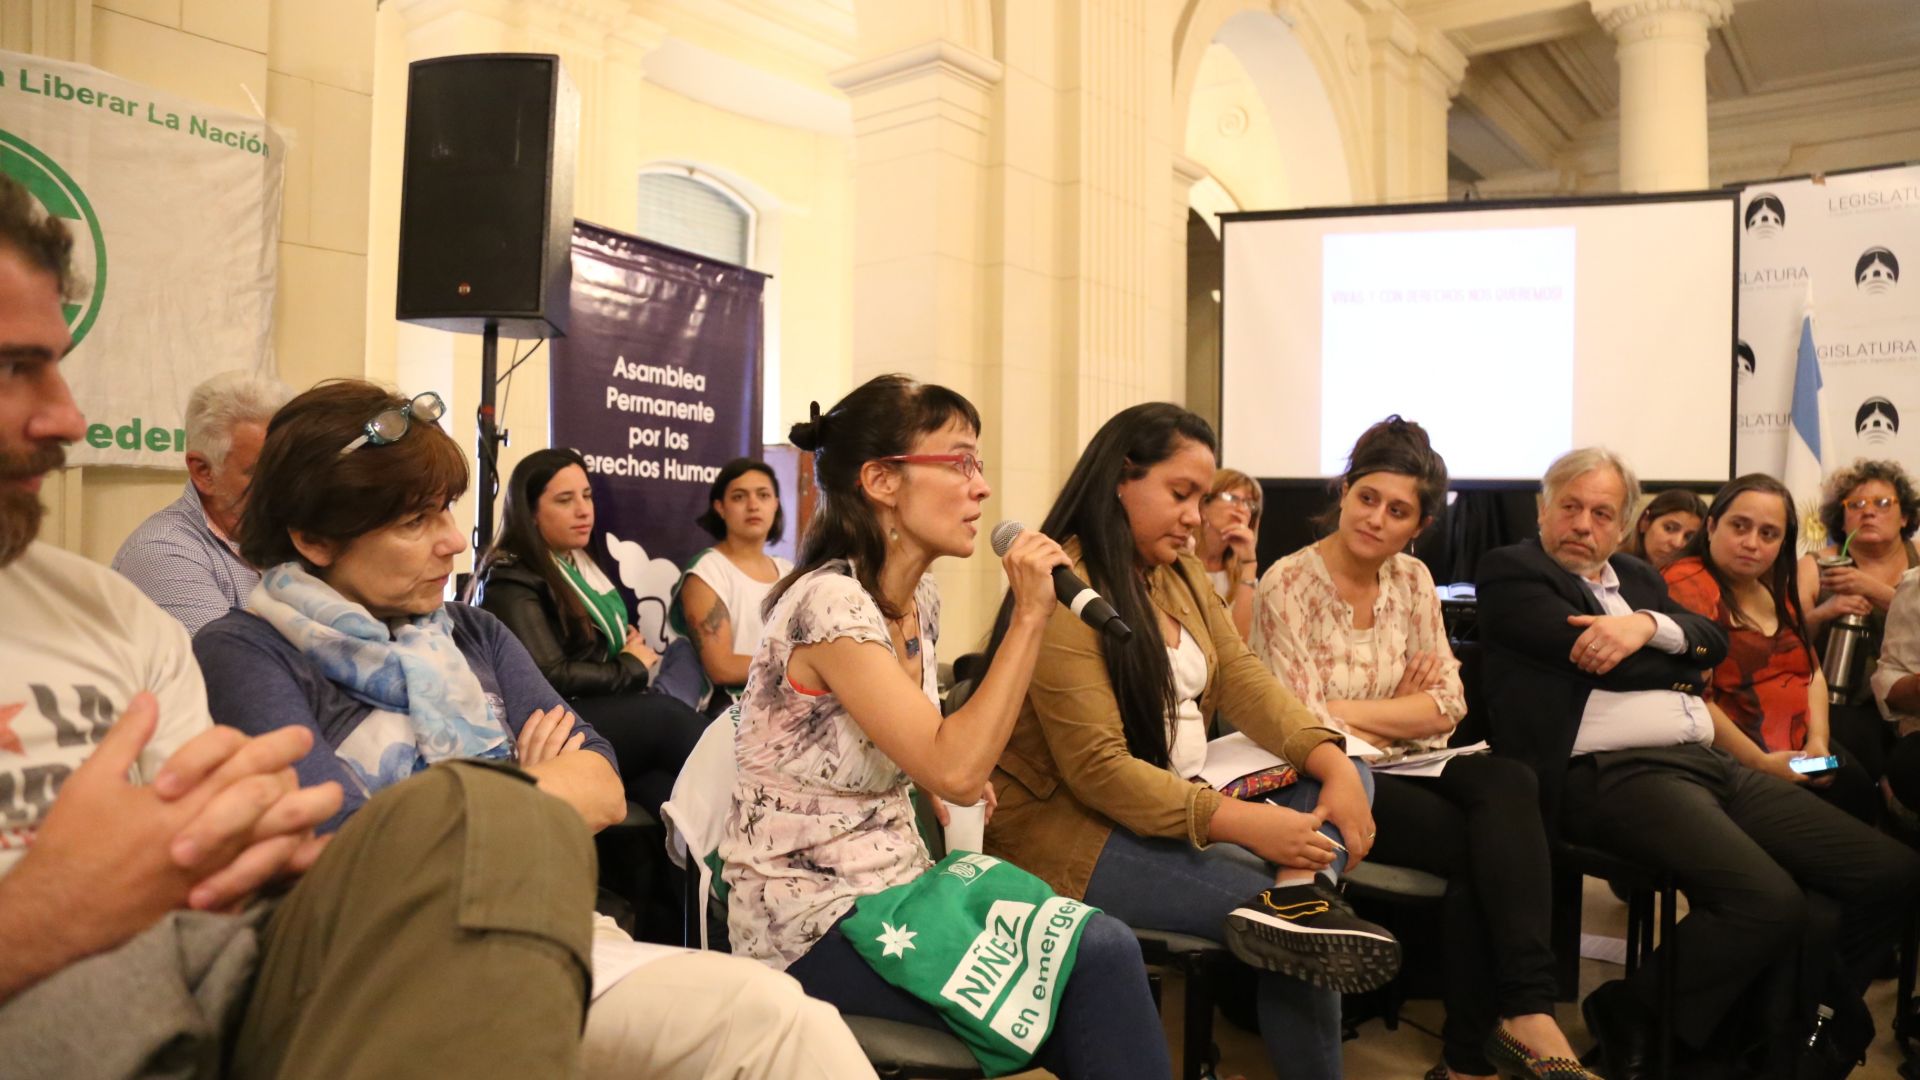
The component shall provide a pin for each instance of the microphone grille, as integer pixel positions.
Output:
(1004, 535)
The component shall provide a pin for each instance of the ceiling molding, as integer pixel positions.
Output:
(1597, 88)
(1513, 117)
(1854, 109)
(819, 33)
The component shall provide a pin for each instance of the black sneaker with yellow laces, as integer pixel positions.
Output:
(1310, 933)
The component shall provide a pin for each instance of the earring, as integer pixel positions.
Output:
(893, 535)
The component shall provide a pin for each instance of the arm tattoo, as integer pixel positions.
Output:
(717, 616)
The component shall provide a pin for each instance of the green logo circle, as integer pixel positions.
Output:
(62, 198)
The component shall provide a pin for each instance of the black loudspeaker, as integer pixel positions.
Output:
(486, 199)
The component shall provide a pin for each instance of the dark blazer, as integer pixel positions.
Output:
(520, 598)
(1535, 695)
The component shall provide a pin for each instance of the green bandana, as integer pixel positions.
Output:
(982, 941)
(605, 608)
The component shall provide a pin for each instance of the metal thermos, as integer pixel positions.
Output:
(1843, 640)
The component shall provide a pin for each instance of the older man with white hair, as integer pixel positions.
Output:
(184, 557)
(1593, 676)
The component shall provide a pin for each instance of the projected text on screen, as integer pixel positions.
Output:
(1412, 310)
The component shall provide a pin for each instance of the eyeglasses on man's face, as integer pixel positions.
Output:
(969, 465)
(1884, 502)
(389, 425)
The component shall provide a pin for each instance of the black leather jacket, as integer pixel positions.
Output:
(520, 598)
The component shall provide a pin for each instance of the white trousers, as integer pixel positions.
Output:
(710, 1016)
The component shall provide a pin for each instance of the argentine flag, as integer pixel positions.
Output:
(1805, 438)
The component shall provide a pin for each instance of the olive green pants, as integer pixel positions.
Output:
(444, 932)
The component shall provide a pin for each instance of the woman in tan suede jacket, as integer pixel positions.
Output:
(1097, 789)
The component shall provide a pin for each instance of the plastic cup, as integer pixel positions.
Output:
(966, 826)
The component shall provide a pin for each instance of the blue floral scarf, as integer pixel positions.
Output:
(413, 669)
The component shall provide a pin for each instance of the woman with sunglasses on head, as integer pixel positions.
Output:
(349, 635)
(1663, 529)
(1229, 535)
(540, 580)
(1768, 698)
(1352, 624)
(841, 716)
(1876, 505)
(1098, 788)
(722, 591)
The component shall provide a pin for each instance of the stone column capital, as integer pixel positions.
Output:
(940, 55)
(1186, 173)
(1630, 20)
(1442, 65)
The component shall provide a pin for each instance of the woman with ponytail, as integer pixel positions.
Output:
(1098, 789)
(827, 873)
(1352, 624)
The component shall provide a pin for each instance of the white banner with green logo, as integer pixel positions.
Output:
(982, 941)
(175, 213)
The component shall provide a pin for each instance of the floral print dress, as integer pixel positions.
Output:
(821, 817)
(1304, 633)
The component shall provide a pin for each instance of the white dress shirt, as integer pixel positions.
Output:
(1638, 719)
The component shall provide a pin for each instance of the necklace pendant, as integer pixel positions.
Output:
(913, 646)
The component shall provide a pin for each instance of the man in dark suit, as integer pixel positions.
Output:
(1593, 676)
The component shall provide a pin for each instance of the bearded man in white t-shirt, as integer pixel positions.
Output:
(137, 839)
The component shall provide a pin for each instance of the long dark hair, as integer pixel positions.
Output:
(520, 541)
(1088, 507)
(1670, 501)
(1785, 579)
(882, 417)
(715, 525)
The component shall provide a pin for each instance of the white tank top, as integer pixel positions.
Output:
(1187, 729)
(742, 595)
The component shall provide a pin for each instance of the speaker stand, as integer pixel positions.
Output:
(489, 439)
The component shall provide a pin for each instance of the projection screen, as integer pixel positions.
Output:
(1512, 331)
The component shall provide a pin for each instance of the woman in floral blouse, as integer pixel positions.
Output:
(1352, 625)
(840, 714)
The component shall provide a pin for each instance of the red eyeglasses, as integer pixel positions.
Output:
(969, 465)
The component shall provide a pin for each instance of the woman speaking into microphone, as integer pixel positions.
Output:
(829, 879)
(1098, 791)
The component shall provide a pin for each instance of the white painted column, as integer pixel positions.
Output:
(1662, 52)
(1415, 75)
(923, 116)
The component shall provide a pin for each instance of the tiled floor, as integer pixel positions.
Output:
(1408, 1053)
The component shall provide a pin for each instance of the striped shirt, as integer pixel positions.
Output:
(185, 565)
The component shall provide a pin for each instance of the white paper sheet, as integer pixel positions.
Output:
(1427, 764)
(1231, 757)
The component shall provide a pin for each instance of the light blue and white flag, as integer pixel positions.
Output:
(1806, 435)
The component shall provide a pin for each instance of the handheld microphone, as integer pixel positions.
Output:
(1090, 606)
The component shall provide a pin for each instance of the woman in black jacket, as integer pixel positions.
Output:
(538, 579)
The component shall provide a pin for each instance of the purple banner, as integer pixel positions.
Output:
(657, 385)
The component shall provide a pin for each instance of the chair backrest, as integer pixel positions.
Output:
(1475, 726)
(696, 815)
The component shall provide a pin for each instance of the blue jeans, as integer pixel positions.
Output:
(1159, 884)
(1106, 1026)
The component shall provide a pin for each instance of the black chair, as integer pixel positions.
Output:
(1372, 886)
(1640, 885)
(1197, 961)
(633, 866)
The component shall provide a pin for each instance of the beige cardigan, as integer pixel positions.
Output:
(1066, 777)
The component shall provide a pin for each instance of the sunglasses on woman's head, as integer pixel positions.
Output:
(389, 425)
